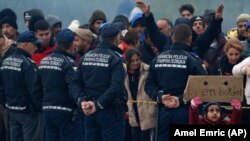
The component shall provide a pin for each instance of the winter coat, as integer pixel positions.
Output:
(195, 119)
(146, 111)
(240, 70)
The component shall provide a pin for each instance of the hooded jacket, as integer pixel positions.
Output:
(34, 16)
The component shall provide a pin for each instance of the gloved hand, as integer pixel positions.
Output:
(195, 102)
(236, 104)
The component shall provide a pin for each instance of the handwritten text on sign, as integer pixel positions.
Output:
(215, 88)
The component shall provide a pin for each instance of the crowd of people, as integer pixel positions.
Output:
(121, 80)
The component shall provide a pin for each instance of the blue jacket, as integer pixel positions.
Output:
(52, 82)
(17, 75)
(100, 77)
(169, 71)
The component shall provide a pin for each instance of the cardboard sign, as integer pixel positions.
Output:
(215, 88)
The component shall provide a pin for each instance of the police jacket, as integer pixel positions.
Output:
(55, 72)
(10, 50)
(169, 71)
(17, 75)
(100, 76)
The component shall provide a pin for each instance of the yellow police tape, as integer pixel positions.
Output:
(154, 102)
(142, 101)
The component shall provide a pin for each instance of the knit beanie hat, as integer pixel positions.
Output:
(53, 20)
(206, 106)
(97, 15)
(74, 25)
(138, 19)
(85, 34)
(196, 18)
(33, 16)
(243, 18)
(123, 19)
(133, 13)
(7, 15)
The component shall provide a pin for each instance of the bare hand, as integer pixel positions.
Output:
(88, 108)
(170, 101)
(219, 11)
(144, 7)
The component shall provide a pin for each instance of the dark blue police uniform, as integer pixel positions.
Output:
(168, 74)
(100, 78)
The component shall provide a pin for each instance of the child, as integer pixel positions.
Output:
(212, 113)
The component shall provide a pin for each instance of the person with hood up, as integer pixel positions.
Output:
(97, 18)
(55, 24)
(212, 113)
(31, 17)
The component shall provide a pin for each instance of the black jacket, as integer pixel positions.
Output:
(100, 77)
(200, 44)
(10, 51)
(17, 75)
(52, 82)
(169, 72)
(223, 67)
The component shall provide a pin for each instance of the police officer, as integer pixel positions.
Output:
(167, 78)
(62, 121)
(17, 73)
(100, 80)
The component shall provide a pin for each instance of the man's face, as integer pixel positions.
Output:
(186, 14)
(30, 48)
(97, 24)
(241, 28)
(164, 27)
(9, 31)
(56, 28)
(79, 43)
(197, 27)
(139, 28)
(44, 36)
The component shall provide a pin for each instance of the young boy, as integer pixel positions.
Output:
(212, 113)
